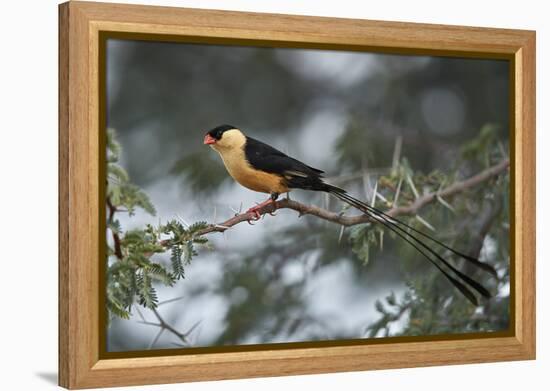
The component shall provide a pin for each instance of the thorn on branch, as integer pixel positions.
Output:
(413, 187)
(397, 151)
(341, 233)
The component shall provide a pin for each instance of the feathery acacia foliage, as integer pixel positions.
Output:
(131, 272)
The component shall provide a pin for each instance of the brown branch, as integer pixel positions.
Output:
(338, 218)
(457, 187)
(164, 325)
(116, 237)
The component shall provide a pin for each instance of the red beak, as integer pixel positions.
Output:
(209, 139)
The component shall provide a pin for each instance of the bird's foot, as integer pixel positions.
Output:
(255, 215)
(255, 210)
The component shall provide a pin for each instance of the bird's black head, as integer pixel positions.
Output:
(217, 132)
(225, 137)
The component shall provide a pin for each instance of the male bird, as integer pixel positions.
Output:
(262, 168)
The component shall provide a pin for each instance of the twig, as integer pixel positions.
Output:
(374, 193)
(341, 234)
(170, 300)
(397, 151)
(358, 175)
(396, 197)
(412, 186)
(423, 221)
(116, 238)
(166, 326)
(163, 325)
(155, 340)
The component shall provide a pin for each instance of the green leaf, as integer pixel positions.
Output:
(146, 292)
(117, 172)
(159, 273)
(117, 309)
(200, 240)
(177, 264)
(188, 252)
(362, 237)
(113, 147)
(114, 193)
(199, 225)
(479, 148)
(143, 201)
(114, 226)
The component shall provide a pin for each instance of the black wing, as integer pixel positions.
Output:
(296, 174)
(266, 158)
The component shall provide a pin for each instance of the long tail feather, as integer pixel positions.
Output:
(405, 236)
(397, 227)
(468, 258)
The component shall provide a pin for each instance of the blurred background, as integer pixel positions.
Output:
(366, 120)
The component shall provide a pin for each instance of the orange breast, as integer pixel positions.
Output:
(259, 181)
(239, 168)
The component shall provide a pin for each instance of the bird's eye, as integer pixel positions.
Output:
(219, 135)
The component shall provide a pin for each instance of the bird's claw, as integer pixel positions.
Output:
(255, 210)
(255, 215)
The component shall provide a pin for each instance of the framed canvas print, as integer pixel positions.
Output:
(247, 195)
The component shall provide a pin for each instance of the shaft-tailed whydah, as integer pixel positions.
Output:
(262, 168)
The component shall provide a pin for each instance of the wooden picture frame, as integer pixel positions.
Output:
(81, 25)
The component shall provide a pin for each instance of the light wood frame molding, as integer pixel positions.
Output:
(80, 154)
